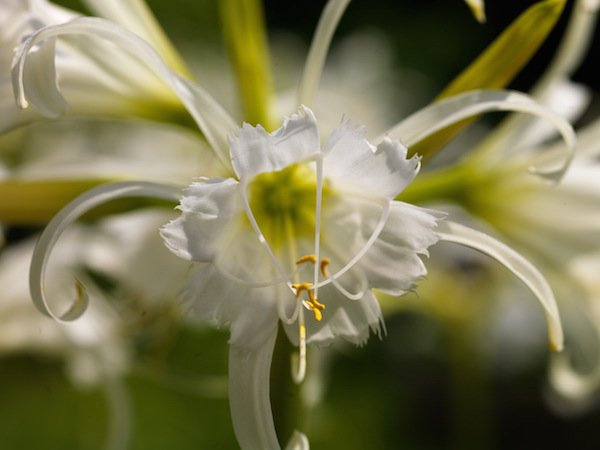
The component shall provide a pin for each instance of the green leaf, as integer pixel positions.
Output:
(498, 64)
(36, 202)
(244, 30)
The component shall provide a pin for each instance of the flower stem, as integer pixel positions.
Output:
(245, 37)
(289, 410)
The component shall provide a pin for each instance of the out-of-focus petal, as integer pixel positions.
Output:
(519, 266)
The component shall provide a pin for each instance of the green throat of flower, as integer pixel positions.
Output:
(284, 204)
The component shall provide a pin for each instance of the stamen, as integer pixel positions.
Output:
(299, 359)
(324, 263)
(299, 287)
(318, 211)
(312, 303)
(318, 315)
(307, 258)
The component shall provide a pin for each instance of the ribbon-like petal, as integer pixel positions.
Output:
(517, 264)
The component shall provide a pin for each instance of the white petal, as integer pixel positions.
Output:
(249, 312)
(206, 210)
(298, 441)
(19, 18)
(519, 266)
(40, 75)
(536, 219)
(318, 50)
(393, 264)
(447, 112)
(352, 162)
(352, 320)
(567, 99)
(70, 213)
(571, 384)
(254, 151)
(249, 399)
(137, 17)
(212, 119)
(573, 46)
(212, 228)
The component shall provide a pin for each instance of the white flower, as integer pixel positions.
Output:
(302, 225)
(298, 226)
(556, 225)
(93, 349)
(98, 78)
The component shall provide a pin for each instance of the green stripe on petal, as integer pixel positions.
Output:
(244, 30)
(499, 63)
(517, 264)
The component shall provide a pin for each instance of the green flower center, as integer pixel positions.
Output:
(284, 203)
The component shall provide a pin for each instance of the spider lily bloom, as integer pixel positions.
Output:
(298, 231)
(93, 350)
(99, 79)
(299, 223)
(555, 225)
(575, 376)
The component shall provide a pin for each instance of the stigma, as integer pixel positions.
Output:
(311, 302)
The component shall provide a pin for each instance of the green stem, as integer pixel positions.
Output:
(245, 36)
(289, 410)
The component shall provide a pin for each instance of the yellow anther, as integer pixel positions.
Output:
(307, 258)
(317, 313)
(312, 303)
(299, 287)
(324, 263)
(312, 300)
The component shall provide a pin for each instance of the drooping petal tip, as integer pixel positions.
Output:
(517, 264)
(478, 9)
(298, 441)
(69, 214)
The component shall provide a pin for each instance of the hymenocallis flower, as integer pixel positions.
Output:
(93, 350)
(301, 228)
(554, 225)
(99, 79)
